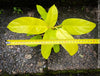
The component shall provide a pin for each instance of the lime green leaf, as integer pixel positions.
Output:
(76, 26)
(28, 25)
(71, 48)
(52, 16)
(15, 8)
(42, 11)
(46, 49)
(34, 38)
(56, 48)
(29, 34)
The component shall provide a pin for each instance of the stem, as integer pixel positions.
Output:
(56, 27)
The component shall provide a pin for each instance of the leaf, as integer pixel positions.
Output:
(28, 25)
(56, 48)
(41, 11)
(14, 8)
(34, 38)
(52, 16)
(71, 48)
(46, 48)
(76, 26)
(29, 34)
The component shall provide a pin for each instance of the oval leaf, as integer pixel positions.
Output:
(28, 25)
(46, 49)
(77, 26)
(71, 48)
(42, 11)
(56, 48)
(52, 16)
(34, 38)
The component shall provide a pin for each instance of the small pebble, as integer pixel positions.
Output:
(85, 45)
(31, 64)
(44, 66)
(0, 70)
(39, 64)
(18, 50)
(30, 13)
(28, 56)
(41, 70)
(10, 46)
(13, 72)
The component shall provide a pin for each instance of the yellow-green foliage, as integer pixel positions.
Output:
(46, 25)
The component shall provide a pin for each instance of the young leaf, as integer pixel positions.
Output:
(15, 8)
(76, 26)
(29, 34)
(34, 38)
(56, 48)
(52, 16)
(41, 11)
(28, 25)
(71, 48)
(46, 49)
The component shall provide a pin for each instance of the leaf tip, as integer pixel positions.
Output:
(37, 5)
(94, 25)
(73, 52)
(54, 5)
(45, 57)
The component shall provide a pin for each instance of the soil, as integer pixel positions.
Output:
(24, 59)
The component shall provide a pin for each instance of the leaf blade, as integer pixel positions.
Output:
(28, 25)
(41, 11)
(70, 48)
(34, 38)
(56, 48)
(52, 16)
(76, 26)
(46, 49)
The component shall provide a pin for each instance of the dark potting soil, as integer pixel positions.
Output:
(24, 59)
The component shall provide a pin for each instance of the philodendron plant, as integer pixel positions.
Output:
(46, 27)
